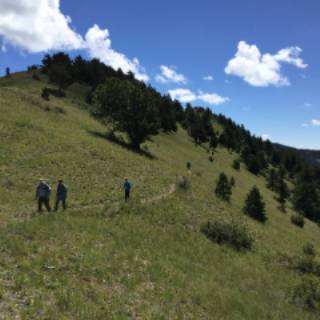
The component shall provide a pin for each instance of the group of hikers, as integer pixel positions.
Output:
(43, 193)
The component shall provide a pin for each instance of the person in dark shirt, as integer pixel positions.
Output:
(61, 195)
(43, 192)
(127, 189)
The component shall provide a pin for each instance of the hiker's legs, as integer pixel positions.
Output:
(47, 204)
(56, 205)
(40, 201)
(126, 195)
(64, 204)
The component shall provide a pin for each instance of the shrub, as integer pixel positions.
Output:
(235, 235)
(223, 187)
(232, 182)
(306, 263)
(210, 158)
(309, 250)
(236, 164)
(45, 94)
(183, 183)
(36, 77)
(254, 205)
(298, 220)
(307, 294)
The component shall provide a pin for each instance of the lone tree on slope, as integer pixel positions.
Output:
(128, 108)
(254, 205)
(223, 188)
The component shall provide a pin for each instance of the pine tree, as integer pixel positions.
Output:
(213, 141)
(282, 190)
(8, 72)
(223, 187)
(255, 206)
(272, 179)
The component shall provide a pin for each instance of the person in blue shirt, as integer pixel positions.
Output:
(43, 192)
(127, 189)
(61, 195)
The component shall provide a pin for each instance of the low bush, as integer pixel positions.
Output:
(235, 235)
(307, 294)
(309, 250)
(45, 94)
(306, 262)
(298, 220)
(236, 164)
(36, 77)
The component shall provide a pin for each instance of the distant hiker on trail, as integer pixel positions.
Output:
(126, 188)
(43, 195)
(61, 195)
(189, 165)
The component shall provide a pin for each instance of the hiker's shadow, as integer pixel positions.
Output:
(119, 141)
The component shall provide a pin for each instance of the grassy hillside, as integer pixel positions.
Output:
(147, 259)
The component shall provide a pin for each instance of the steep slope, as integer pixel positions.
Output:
(147, 259)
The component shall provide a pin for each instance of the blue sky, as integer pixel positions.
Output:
(263, 56)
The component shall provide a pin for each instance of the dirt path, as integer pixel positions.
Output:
(116, 205)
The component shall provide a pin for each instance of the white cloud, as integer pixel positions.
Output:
(312, 123)
(307, 104)
(208, 78)
(37, 25)
(266, 137)
(262, 70)
(169, 75)
(98, 43)
(186, 95)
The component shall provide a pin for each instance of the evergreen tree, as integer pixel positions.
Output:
(129, 108)
(8, 72)
(254, 205)
(213, 140)
(282, 190)
(223, 187)
(272, 179)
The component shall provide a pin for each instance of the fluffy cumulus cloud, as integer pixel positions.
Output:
(262, 70)
(312, 123)
(98, 43)
(170, 75)
(37, 25)
(186, 95)
(208, 78)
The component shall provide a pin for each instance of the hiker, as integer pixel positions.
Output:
(127, 188)
(61, 195)
(189, 168)
(43, 195)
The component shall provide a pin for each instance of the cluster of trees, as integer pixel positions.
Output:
(198, 123)
(254, 205)
(129, 105)
(276, 182)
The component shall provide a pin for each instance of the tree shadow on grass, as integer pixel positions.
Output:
(119, 141)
